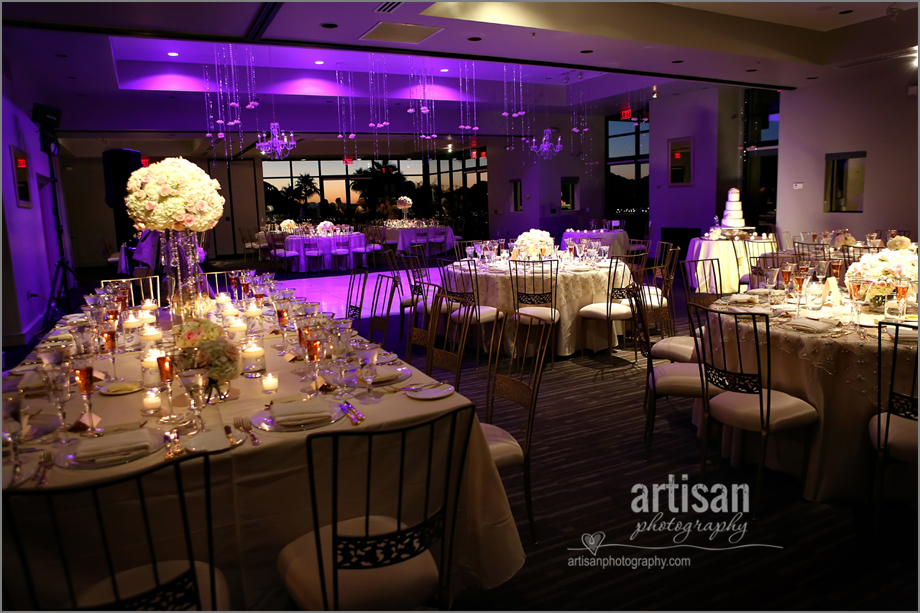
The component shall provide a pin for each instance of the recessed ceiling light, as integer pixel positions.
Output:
(172, 54)
(329, 26)
(72, 78)
(172, 96)
(588, 51)
(319, 62)
(751, 70)
(677, 61)
(474, 39)
(445, 70)
(846, 12)
(811, 78)
(60, 55)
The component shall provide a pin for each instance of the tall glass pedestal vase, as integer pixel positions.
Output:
(179, 256)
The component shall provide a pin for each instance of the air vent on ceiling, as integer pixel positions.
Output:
(387, 7)
(389, 32)
(892, 56)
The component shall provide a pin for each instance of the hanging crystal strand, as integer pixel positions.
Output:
(460, 76)
(434, 122)
(208, 110)
(225, 88)
(386, 105)
(351, 107)
(220, 116)
(236, 98)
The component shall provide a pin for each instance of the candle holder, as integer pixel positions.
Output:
(253, 314)
(236, 330)
(150, 371)
(270, 384)
(130, 325)
(149, 337)
(152, 402)
(253, 356)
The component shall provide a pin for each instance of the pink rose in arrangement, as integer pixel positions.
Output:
(202, 205)
(180, 217)
(189, 220)
(150, 204)
(165, 191)
(192, 336)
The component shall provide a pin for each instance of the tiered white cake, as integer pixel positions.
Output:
(733, 216)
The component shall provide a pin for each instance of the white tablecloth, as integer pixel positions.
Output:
(701, 249)
(403, 238)
(839, 377)
(261, 494)
(617, 240)
(574, 291)
(326, 246)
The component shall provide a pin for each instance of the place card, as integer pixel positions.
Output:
(290, 356)
(831, 292)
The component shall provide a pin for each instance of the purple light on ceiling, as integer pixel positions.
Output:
(307, 87)
(165, 82)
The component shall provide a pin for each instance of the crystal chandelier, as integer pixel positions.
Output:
(276, 145)
(546, 148)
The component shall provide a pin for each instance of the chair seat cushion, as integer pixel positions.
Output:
(438, 239)
(902, 437)
(373, 247)
(676, 349)
(504, 448)
(655, 301)
(680, 380)
(743, 411)
(340, 252)
(408, 301)
(745, 279)
(140, 579)
(112, 260)
(282, 253)
(448, 304)
(312, 254)
(599, 310)
(404, 585)
(457, 237)
(251, 245)
(483, 314)
(546, 313)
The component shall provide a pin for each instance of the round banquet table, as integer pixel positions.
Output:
(722, 250)
(838, 375)
(574, 291)
(403, 238)
(261, 499)
(326, 246)
(617, 240)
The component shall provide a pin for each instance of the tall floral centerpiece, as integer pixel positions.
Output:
(215, 352)
(325, 228)
(883, 268)
(404, 204)
(178, 199)
(288, 225)
(533, 244)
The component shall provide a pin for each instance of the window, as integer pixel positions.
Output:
(569, 185)
(332, 167)
(516, 195)
(276, 169)
(410, 167)
(844, 181)
(627, 163)
(302, 167)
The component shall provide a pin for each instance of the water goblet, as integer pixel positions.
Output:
(311, 336)
(769, 281)
(367, 354)
(57, 382)
(195, 381)
(787, 275)
(83, 373)
(346, 377)
(871, 236)
(167, 366)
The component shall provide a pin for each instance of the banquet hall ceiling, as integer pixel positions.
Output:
(105, 64)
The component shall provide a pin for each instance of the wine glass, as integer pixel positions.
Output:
(166, 363)
(787, 275)
(902, 288)
(821, 270)
(83, 373)
(57, 382)
(311, 341)
(346, 378)
(769, 281)
(836, 265)
(235, 284)
(367, 354)
(109, 335)
(282, 316)
(871, 236)
(195, 381)
(798, 280)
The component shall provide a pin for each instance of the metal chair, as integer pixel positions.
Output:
(753, 249)
(448, 355)
(381, 303)
(415, 273)
(341, 250)
(250, 246)
(357, 283)
(735, 356)
(420, 238)
(518, 382)
(533, 292)
(373, 243)
(893, 429)
(619, 278)
(145, 287)
(852, 253)
(422, 323)
(438, 238)
(395, 271)
(396, 525)
(461, 279)
(702, 281)
(460, 249)
(811, 251)
(134, 532)
(311, 250)
(277, 251)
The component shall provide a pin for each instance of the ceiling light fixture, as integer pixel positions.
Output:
(474, 39)
(172, 54)
(329, 26)
(319, 62)
(445, 70)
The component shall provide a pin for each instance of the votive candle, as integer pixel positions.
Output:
(269, 383)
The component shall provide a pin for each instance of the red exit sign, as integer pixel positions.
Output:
(349, 161)
(627, 114)
(145, 161)
(676, 155)
(20, 163)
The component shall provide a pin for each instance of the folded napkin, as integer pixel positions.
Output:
(755, 310)
(803, 324)
(31, 381)
(743, 298)
(296, 412)
(904, 334)
(385, 373)
(122, 386)
(113, 447)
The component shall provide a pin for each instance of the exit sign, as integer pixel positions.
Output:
(626, 114)
(20, 163)
(145, 161)
(676, 155)
(349, 161)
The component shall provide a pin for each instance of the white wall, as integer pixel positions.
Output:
(855, 109)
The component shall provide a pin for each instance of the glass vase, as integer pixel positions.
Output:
(179, 257)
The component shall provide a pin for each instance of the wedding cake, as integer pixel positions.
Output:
(733, 216)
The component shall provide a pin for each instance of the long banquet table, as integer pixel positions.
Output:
(838, 375)
(617, 240)
(403, 238)
(262, 500)
(326, 246)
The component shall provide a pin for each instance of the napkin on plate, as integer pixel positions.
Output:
(385, 373)
(803, 324)
(108, 448)
(905, 334)
(296, 412)
(756, 310)
(743, 298)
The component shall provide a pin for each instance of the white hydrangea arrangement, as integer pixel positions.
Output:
(844, 239)
(883, 268)
(174, 194)
(326, 227)
(898, 243)
(288, 225)
(531, 243)
(196, 331)
(404, 202)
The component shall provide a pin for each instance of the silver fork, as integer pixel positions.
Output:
(243, 425)
(47, 462)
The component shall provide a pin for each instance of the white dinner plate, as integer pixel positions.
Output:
(263, 419)
(27, 470)
(65, 456)
(432, 393)
(386, 358)
(104, 388)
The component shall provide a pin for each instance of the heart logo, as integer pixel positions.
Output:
(593, 541)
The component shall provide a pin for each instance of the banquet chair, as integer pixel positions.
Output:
(462, 280)
(896, 438)
(657, 284)
(277, 252)
(420, 238)
(311, 251)
(681, 378)
(619, 279)
(518, 382)
(662, 250)
(459, 227)
(852, 253)
(393, 264)
(811, 251)
(341, 250)
(250, 247)
(448, 354)
(357, 284)
(883, 234)
(735, 354)
(142, 288)
(675, 348)
(391, 545)
(422, 323)
(638, 246)
(460, 249)
(438, 238)
(128, 543)
(381, 303)
(415, 273)
(535, 284)
(373, 242)
(702, 281)
(750, 250)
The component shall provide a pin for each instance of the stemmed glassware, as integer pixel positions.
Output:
(859, 289)
(769, 281)
(195, 381)
(902, 288)
(57, 382)
(12, 427)
(167, 366)
(282, 315)
(109, 334)
(821, 270)
(235, 284)
(311, 336)
(367, 354)
(83, 373)
(798, 280)
(836, 265)
(787, 275)
(871, 236)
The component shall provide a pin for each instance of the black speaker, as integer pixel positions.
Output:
(118, 164)
(46, 117)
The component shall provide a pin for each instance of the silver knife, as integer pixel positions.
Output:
(351, 408)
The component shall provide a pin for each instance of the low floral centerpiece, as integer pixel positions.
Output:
(215, 352)
(533, 244)
(899, 243)
(288, 225)
(844, 239)
(883, 268)
(326, 227)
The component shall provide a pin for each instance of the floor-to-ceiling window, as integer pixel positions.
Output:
(760, 160)
(627, 171)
